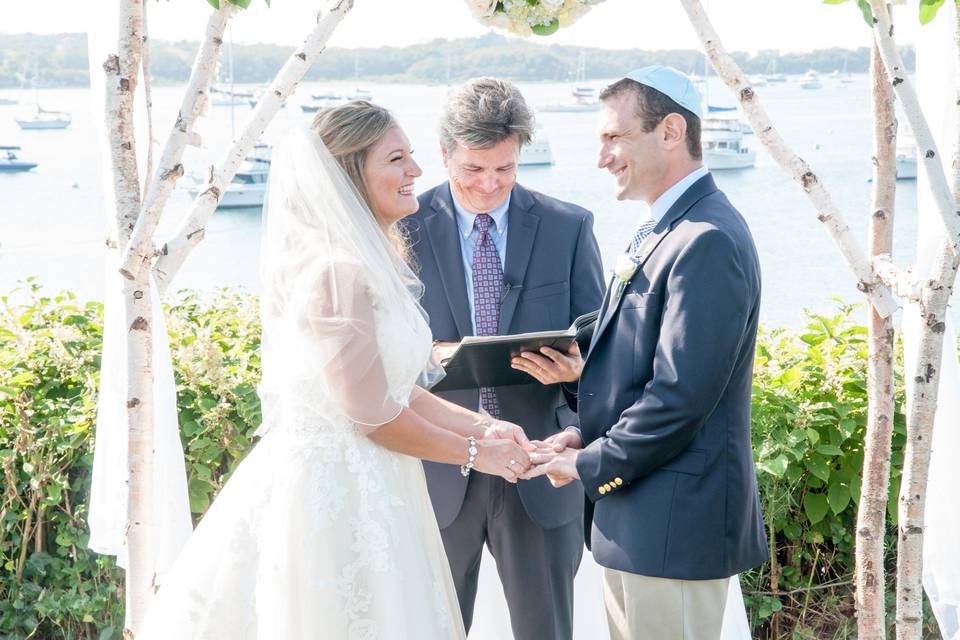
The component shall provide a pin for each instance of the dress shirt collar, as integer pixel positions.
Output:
(669, 197)
(465, 217)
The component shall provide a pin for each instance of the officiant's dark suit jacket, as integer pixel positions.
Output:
(664, 402)
(552, 274)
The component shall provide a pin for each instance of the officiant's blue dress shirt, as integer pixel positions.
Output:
(468, 242)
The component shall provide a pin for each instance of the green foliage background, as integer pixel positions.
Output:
(809, 411)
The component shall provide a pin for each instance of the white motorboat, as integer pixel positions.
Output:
(45, 119)
(249, 186)
(582, 97)
(810, 80)
(776, 77)
(757, 80)
(537, 152)
(11, 162)
(906, 155)
(722, 139)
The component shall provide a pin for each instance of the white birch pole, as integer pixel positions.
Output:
(926, 145)
(139, 251)
(827, 211)
(193, 227)
(934, 297)
(122, 71)
(870, 575)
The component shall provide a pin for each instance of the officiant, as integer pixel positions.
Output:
(497, 258)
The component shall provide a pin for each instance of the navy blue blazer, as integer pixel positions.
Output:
(553, 274)
(664, 402)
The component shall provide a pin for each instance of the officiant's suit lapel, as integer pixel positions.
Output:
(444, 242)
(522, 226)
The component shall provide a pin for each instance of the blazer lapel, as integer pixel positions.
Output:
(521, 231)
(698, 190)
(444, 235)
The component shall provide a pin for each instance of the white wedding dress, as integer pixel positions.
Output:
(320, 532)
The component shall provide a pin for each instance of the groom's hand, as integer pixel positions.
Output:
(569, 438)
(560, 468)
(551, 366)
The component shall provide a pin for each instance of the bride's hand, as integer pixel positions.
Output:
(504, 458)
(509, 431)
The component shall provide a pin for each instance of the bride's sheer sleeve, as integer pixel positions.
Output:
(338, 320)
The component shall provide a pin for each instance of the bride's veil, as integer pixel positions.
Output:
(324, 262)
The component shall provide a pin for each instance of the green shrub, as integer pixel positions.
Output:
(809, 408)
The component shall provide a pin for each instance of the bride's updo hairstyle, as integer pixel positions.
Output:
(349, 131)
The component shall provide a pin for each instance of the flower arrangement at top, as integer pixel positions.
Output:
(523, 17)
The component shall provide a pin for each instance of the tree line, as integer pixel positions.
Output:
(60, 60)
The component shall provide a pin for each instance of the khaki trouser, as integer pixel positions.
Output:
(645, 608)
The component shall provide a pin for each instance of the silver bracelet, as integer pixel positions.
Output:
(471, 456)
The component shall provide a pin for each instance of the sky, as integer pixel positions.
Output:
(743, 25)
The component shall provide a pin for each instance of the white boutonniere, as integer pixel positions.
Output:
(624, 269)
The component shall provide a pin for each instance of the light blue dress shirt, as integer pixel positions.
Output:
(669, 197)
(468, 242)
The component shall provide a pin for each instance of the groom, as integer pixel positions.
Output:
(496, 258)
(664, 395)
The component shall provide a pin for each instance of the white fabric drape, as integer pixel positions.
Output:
(937, 77)
(107, 518)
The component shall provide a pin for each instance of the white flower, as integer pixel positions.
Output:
(523, 17)
(624, 268)
(482, 8)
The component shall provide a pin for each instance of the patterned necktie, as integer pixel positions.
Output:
(640, 235)
(487, 285)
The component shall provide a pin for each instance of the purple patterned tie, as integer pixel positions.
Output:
(487, 285)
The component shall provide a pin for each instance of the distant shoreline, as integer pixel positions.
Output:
(60, 60)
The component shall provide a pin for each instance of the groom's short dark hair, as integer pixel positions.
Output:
(652, 107)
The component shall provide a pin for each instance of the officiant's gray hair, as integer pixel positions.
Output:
(484, 112)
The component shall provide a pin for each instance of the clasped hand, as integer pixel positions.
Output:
(506, 451)
(556, 458)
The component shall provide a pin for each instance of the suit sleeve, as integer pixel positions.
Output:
(702, 331)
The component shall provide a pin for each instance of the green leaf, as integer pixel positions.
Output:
(839, 497)
(829, 450)
(214, 3)
(818, 467)
(866, 11)
(546, 29)
(776, 467)
(928, 10)
(815, 506)
(813, 436)
(243, 4)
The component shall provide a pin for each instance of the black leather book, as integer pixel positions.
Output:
(485, 361)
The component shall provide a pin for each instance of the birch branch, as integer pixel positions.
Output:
(138, 252)
(926, 145)
(192, 229)
(870, 573)
(901, 281)
(121, 71)
(789, 161)
(148, 99)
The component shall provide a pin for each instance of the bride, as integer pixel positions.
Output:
(325, 530)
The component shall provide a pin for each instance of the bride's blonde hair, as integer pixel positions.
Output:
(349, 131)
